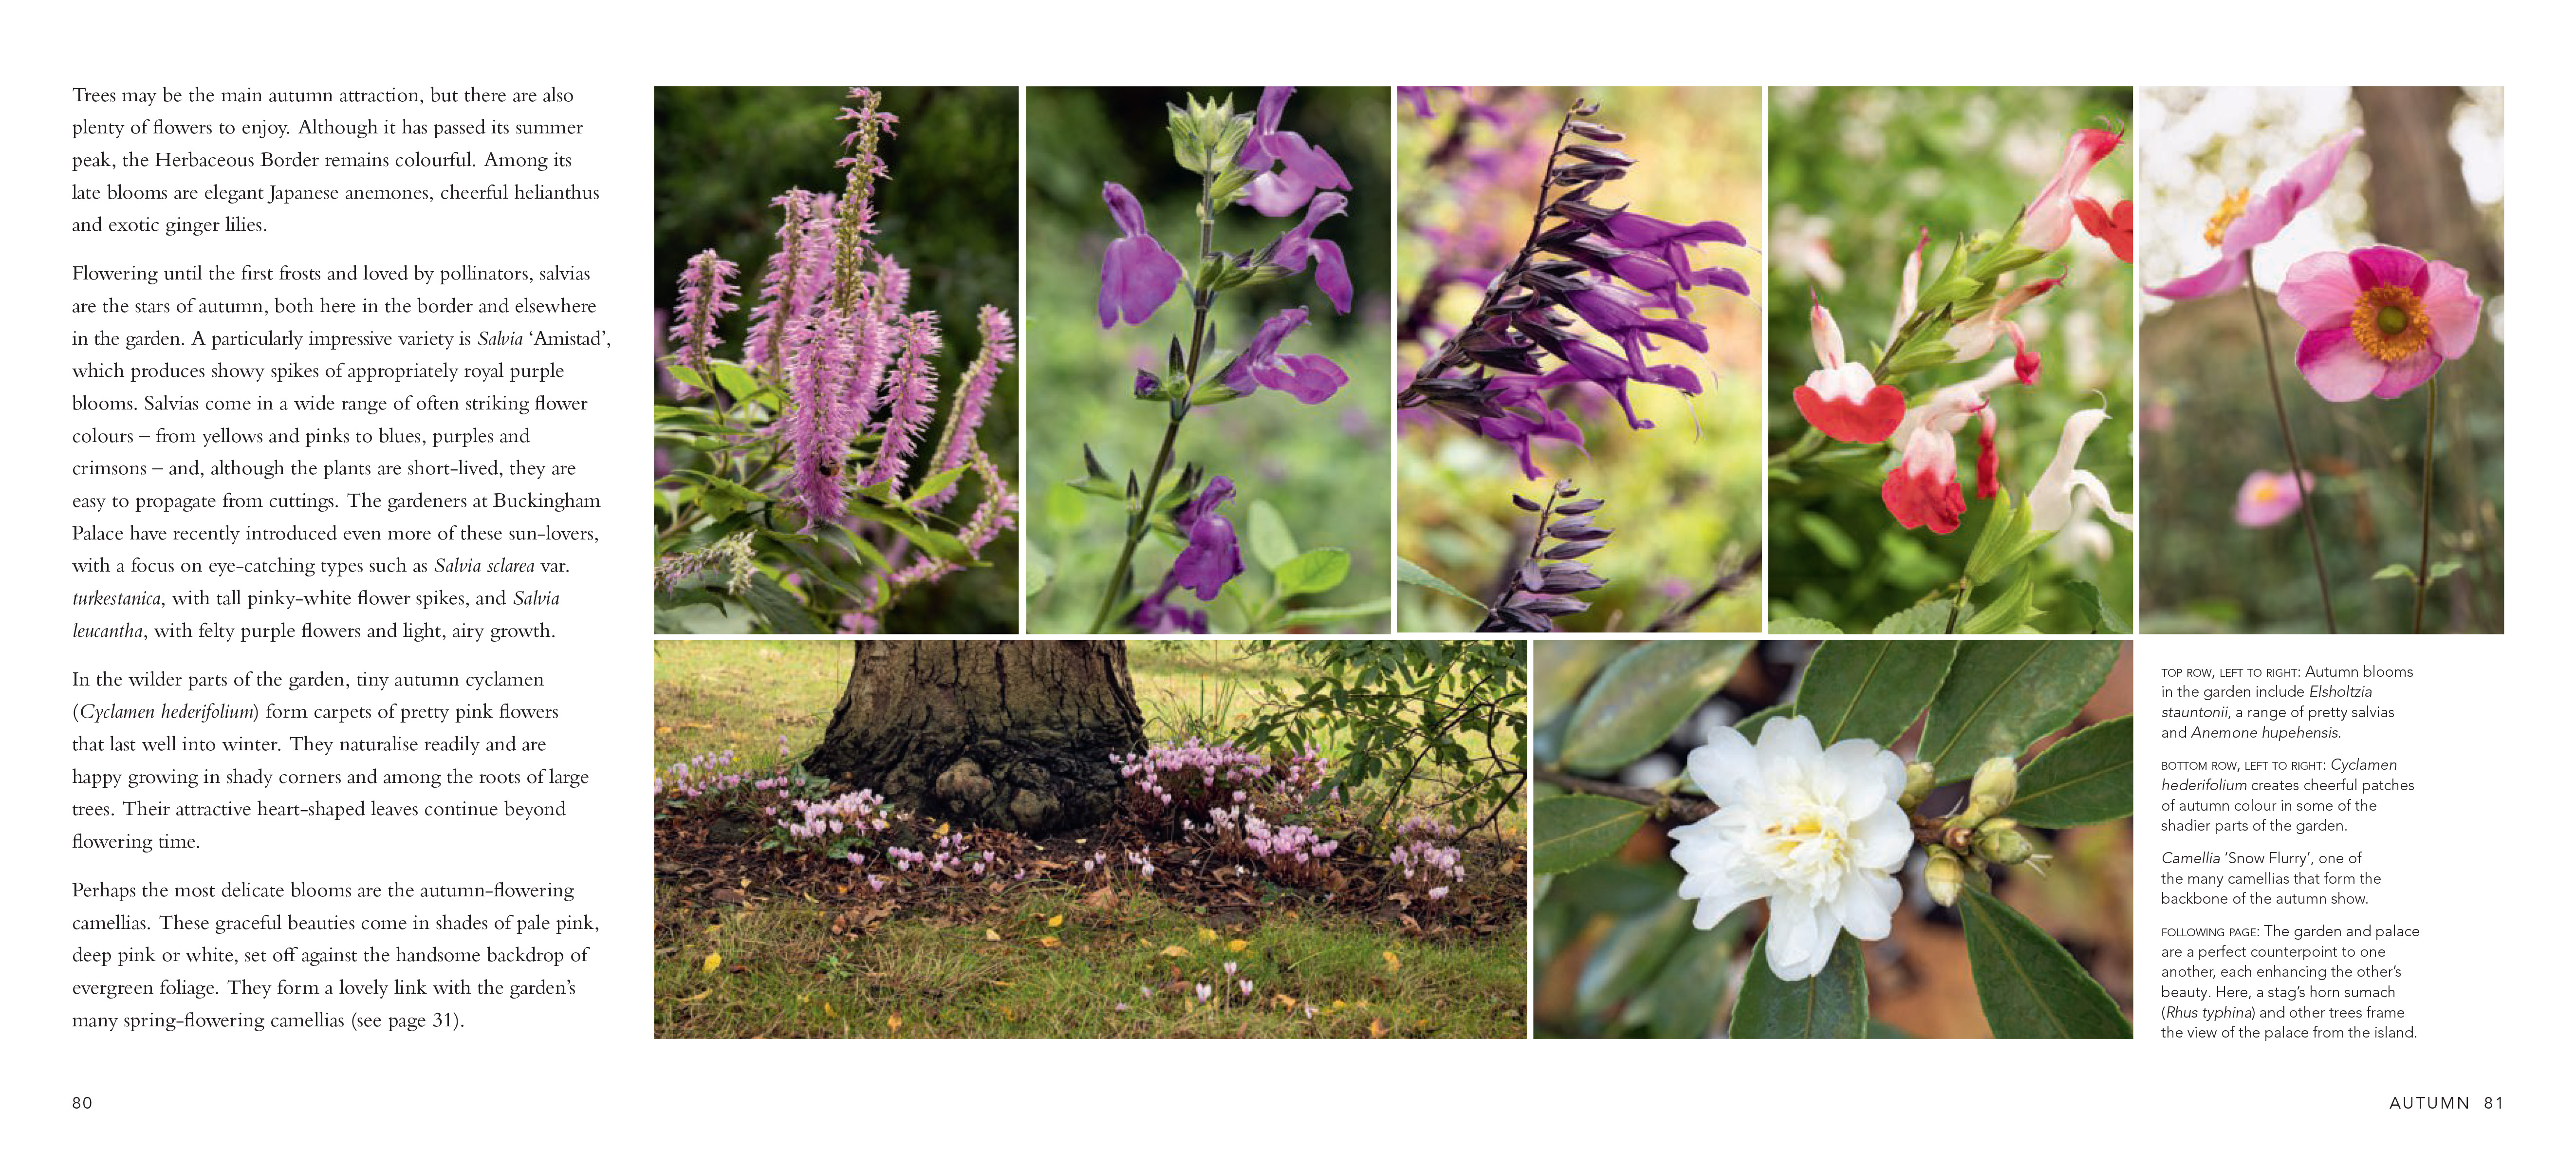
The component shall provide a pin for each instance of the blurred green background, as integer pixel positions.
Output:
(1323, 467)
(949, 213)
(2427, 176)
(1854, 173)
(1684, 497)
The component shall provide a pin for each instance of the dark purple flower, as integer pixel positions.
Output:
(1158, 616)
(1526, 415)
(1304, 168)
(1136, 274)
(1298, 246)
(1211, 557)
(1311, 378)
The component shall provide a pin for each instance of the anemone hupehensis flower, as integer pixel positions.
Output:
(1815, 831)
(2243, 223)
(2380, 321)
(2269, 497)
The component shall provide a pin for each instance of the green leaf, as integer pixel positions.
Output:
(1641, 698)
(1793, 625)
(2405, 571)
(933, 484)
(1685, 996)
(2103, 618)
(2003, 695)
(784, 614)
(723, 497)
(1335, 614)
(2005, 613)
(2082, 778)
(1833, 1004)
(1041, 572)
(1575, 831)
(1267, 534)
(1871, 689)
(1314, 572)
(1920, 619)
(733, 379)
(2443, 568)
(1407, 571)
(2029, 986)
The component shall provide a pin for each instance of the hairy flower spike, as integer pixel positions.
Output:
(914, 389)
(706, 294)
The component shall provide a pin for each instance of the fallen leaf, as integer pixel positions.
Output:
(1050, 942)
(1393, 964)
(1175, 952)
(1206, 935)
(714, 960)
(943, 829)
(828, 1012)
(1102, 899)
(992, 935)
(699, 995)
(1377, 1029)
(1238, 945)
(1055, 921)
(894, 1022)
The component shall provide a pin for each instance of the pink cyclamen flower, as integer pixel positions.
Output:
(1136, 274)
(1206, 992)
(2380, 320)
(2051, 215)
(2269, 497)
(1840, 399)
(2243, 223)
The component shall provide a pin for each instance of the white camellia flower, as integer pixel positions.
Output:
(1814, 829)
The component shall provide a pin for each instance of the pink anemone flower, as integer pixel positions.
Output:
(2269, 497)
(2380, 320)
(2242, 223)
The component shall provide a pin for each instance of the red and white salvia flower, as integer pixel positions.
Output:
(1975, 336)
(1840, 399)
(2052, 500)
(1923, 488)
(2050, 217)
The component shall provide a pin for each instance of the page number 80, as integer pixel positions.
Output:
(81, 1102)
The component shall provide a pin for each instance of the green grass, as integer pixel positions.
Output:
(784, 974)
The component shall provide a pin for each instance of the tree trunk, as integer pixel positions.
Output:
(2418, 199)
(1016, 735)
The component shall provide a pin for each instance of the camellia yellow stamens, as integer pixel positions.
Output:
(2229, 211)
(2388, 321)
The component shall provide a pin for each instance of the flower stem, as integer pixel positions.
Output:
(2298, 471)
(1141, 518)
(2424, 558)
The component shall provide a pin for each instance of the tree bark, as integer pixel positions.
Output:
(1018, 735)
(2418, 199)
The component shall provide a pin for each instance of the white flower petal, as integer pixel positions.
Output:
(1798, 944)
(1866, 906)
(1788, 744)
(1881, 838)
(1724, 767)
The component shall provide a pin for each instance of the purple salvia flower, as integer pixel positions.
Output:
(914, 388)
(1136, 274)
(1311, 378)
(1304, 168)
(1212, 556)
(706, 294)
(1298, 247)
(967, 414)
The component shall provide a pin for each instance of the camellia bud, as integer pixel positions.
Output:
(1991, 790)
(1918, 783)
(2000, 841)
(1943, 875)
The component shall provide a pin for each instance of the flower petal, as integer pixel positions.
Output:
(2407, 374)
(1866, 906)
(2319, 291)
(2453, 308)
(2373, 266)
(2336, 366)
(1725, 768)
(1799, 942)
(2224, 275)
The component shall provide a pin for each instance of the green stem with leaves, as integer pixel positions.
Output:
(2290, 443)
(1140, 518)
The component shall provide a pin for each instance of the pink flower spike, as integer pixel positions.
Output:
(2238, 227)
(2269, 497)
(2379, 321)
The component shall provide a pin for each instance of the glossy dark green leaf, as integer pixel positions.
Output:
(2082, 778)
(1575, 831)
(1641, 698)
(1833, 1004)
(1683, 1001)
(2003, 695)
(1871, 688)
(1630, 955)
(2028, 985)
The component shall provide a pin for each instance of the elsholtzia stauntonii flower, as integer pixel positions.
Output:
(1814, 830)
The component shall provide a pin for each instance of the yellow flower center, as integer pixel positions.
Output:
(2229, 211)
(2389, 323)
(2267, 491)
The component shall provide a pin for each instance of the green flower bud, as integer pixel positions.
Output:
(1918, 783)
(2000, 841)
(1991, 790)
(1943, 875)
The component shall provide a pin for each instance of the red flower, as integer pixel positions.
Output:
(2111, 227)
